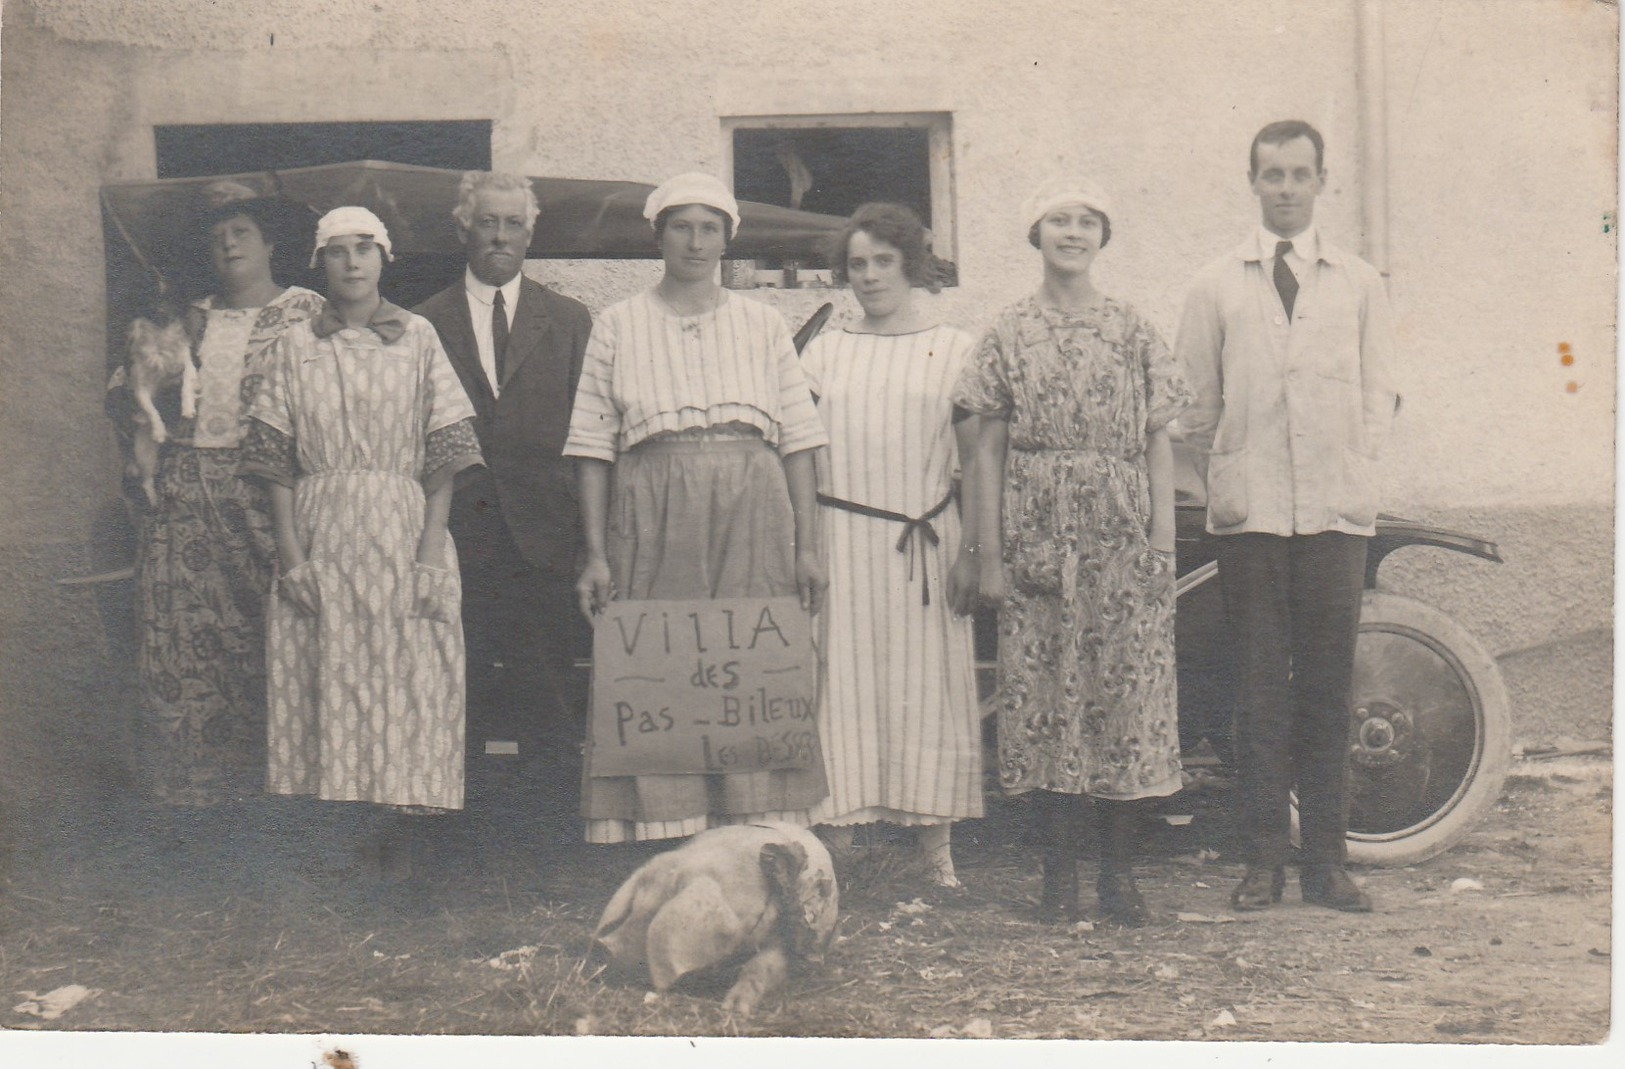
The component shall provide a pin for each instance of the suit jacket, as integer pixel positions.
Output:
(527, 487)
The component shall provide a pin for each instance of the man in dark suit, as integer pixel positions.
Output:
(517, 348)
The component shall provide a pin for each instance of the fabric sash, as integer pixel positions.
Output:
(920, 525)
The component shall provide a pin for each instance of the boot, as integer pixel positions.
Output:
(1330, 886)
(1057, 822)
(1119, 842)
(1259, 889)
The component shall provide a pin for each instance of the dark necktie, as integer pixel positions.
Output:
(1286, 283)
(499, 334)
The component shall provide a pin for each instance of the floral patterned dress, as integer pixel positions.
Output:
(366, 696)
(1087, 688)
(204, 562)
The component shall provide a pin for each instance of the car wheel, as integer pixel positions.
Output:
(1430, 734)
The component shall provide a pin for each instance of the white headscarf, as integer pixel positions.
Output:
(351, 219)
(694, 187)
(1061, 193)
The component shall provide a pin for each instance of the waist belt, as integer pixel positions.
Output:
(920, 525)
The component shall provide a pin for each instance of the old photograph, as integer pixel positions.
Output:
(1076, 527)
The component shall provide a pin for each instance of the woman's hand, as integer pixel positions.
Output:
(297, 586)
(435, 594)
(991, 584)
(963, 581)
(595, 589)
(1161, 538)
(811, 581)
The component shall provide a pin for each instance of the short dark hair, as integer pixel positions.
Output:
(897, 226)
(666, 213)
(1279, 133)
(1105, 230)
(288, 226)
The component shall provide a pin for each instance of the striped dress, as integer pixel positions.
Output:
(696, 413)
(899, 718)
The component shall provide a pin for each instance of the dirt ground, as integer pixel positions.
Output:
(268, 926)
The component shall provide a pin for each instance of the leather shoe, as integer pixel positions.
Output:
(1059, 903)
(1259, 889)
(1121, 901)
(1330, 886)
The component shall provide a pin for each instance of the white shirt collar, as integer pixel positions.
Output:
(1305, 245)
(485, 293)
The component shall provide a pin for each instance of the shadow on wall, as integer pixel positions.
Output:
(1546, 614)
(1562, 690)
(67, 684)
(1557, 580)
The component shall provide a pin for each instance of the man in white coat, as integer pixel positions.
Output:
(1288, 342)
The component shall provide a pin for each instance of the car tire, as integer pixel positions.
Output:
(1431, 734)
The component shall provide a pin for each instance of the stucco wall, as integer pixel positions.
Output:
(1500, 148)
(1501, 140)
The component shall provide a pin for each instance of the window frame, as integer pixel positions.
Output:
(937, 124)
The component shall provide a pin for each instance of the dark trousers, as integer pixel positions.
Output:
(523, 632)
(1293, 607)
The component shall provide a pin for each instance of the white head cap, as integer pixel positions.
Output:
(341, 222)
(695, 187)
(1062, 193)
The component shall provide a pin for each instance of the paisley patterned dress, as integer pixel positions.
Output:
(1087, 688)
(204, 562)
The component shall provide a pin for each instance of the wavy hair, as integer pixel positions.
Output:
(894, 224)
(474, 182)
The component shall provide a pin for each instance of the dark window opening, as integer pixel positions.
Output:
(833, 169)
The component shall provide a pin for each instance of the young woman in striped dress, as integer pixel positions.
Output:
(694, 431)
(898, 718)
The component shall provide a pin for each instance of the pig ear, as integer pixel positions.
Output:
(782, 863)
(695, 928)
(803, 882)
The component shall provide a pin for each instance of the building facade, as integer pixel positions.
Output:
(1471, 154)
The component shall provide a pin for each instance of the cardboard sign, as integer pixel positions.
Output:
(703, 686)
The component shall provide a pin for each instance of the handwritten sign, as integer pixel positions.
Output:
(701, 686)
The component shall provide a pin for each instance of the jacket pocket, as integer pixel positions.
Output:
(1358, 501)
(1227, 488)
